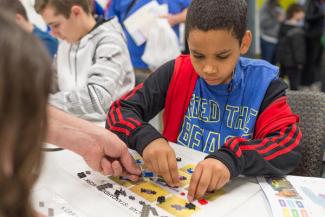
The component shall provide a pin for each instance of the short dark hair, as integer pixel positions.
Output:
(293, 9)
(14, 6)
(208, 15)
(62, 6)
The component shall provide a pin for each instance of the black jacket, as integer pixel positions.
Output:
(291, 50)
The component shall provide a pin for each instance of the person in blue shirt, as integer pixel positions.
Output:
(16, 7)
(124, 8)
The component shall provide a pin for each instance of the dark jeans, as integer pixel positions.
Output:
(314, 49)
(294, 75)
(268, 51)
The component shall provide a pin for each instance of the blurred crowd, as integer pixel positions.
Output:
(295, 38)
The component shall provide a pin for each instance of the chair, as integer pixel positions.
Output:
(310, 106)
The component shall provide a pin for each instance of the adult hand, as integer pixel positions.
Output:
(102, 150)
(209, 175)
(160, 158)
(110, 156)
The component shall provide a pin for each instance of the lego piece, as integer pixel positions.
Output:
(145, 211)
(138, 161)
(117, 193)
(203, 202)
(108, 185)
(190, 206)
(81, 175)
(178, 159)
(142, 203)
(154, 211)
(182, 178)
(51, 212)
(182, 193)
(100, 187)
(148, 191)
(147, 174)
(88, 172)
(104, 186)
(177, 207)
(190, 170)
(131, 197)
(122, 192)
(161, 199)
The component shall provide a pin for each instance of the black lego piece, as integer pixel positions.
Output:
(142, 203)
(178, 159)
(122, 192)
(161, 199)
(81, 175)
(190, 206)
(131, 197)
(117, 193)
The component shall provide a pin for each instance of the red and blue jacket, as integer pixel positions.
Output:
(262, 139)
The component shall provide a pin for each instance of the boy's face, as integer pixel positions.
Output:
(299, 16)
(214, 54)
(61, 27)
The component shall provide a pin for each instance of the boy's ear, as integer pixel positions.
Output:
(246, 42)
(19, 18)
(76, 10)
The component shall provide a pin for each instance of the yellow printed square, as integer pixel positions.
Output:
(184, 177)
(149, 191)
(189, 169)
(176, 206)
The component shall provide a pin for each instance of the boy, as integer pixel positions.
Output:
(291, 50)
(93, 62)
(230, 107)
(17, 8)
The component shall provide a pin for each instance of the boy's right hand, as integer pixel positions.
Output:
(160, 158)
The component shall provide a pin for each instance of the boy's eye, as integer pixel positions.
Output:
(222, 57)
(55, 26)
(198, 56)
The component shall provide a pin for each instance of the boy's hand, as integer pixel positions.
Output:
(209, 175)
(160, 158)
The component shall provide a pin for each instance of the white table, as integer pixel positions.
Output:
(55, 179)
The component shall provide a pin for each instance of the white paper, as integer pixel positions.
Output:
(294, 196)
(140, 22)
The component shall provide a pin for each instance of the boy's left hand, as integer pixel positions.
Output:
(209, 175)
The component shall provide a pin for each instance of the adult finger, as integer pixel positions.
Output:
(129, 164)
(106, 167)
(117, 168)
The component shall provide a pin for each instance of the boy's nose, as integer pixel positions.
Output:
(208, 69)
(55, 33)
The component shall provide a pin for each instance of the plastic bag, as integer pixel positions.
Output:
(162, 45)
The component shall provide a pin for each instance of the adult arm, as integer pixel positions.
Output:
(102, 150)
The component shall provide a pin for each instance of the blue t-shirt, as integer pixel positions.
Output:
(118, 8)
(50, 42)
(217, 113)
